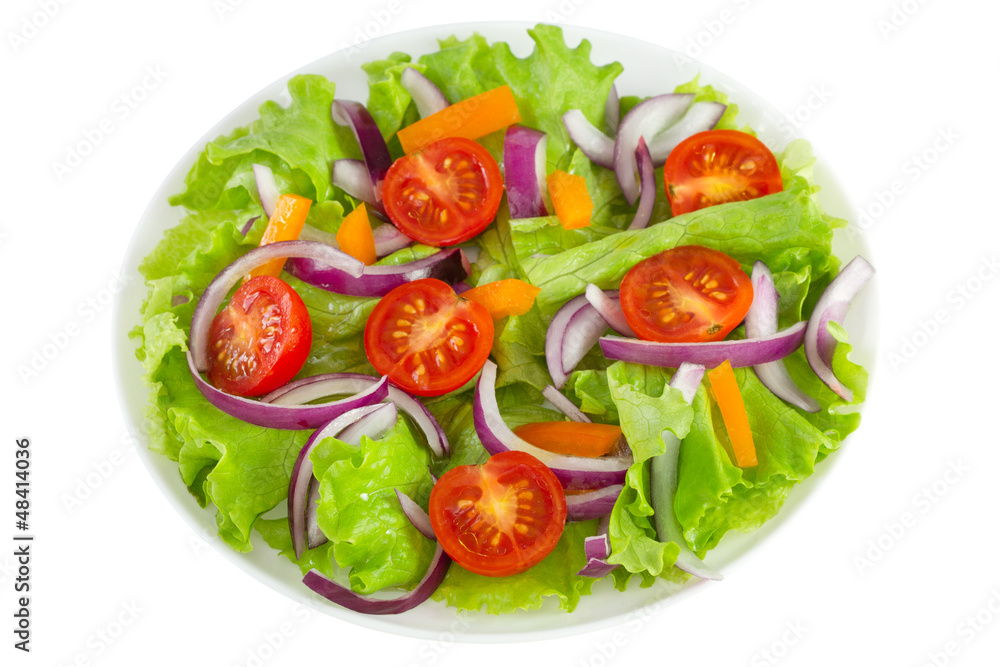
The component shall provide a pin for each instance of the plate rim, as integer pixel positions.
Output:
(161, 468)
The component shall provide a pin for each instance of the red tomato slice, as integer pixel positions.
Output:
(427, 339)
(444, 194)
(500, 518)
(260, 340)
(685, 294)
(716, 167)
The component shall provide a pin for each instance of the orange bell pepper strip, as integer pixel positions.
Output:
(734, 414)
(355, 236)
(573, 438)
(504, 297)
(471, 118)
(570, 199)
(285, 225)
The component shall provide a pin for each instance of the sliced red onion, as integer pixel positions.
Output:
(178, 299)
(762, 320)
(686, 379)
(608, 305)
(416, 514)
(612, 110)
(345, 597)
(289, 417)
(267, 189)
(746, 352)
(376, 154)
(373, 425)
(597, 146)
(461, 286)
(216, 291)
(593, 504)
(427, 96)
(310, 233)
(700, 117)
(663, 484)
(302, 475)
(646, 119)
(564, 405)
(315, 387)
(449, 265)
(597, 546)
(832, 307)
(597, 549)
(248, 225)
(762, 317)
(647, 187)
(596, 567)
(524, 171)
(574, 472)
(388, 239)
(352, 177)
(315, 537)
(575, 329)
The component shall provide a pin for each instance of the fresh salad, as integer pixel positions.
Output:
(496, 332)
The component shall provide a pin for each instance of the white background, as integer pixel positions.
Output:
(893, 559)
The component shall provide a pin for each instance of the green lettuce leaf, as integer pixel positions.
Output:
(298, 142)
(797, 235)
(715, 496)
(555, 576)
(590, 392)
(647, 407)
(550, 80)
(359, 512)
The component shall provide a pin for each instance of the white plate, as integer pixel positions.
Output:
(649, 69)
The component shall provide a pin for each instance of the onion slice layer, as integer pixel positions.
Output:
(290, 417)
(373, 147)
(449, 265)
(762, 320)
(524, 171)
(345, 597)
(832, 307)
(426, 95)
(745, 352)
(592, 504)
(315, 387)
(575, 329)
(663, 483)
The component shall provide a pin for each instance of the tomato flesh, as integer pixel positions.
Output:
(427, 339)
(716, 167)
(444, 194)
(260, 340)
(500, 518)
(685, 294)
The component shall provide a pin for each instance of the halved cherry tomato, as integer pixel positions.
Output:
(444, 194)
(716, 167)
(500, 518)
(685, 294)
(260, 340)
(427, 339)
